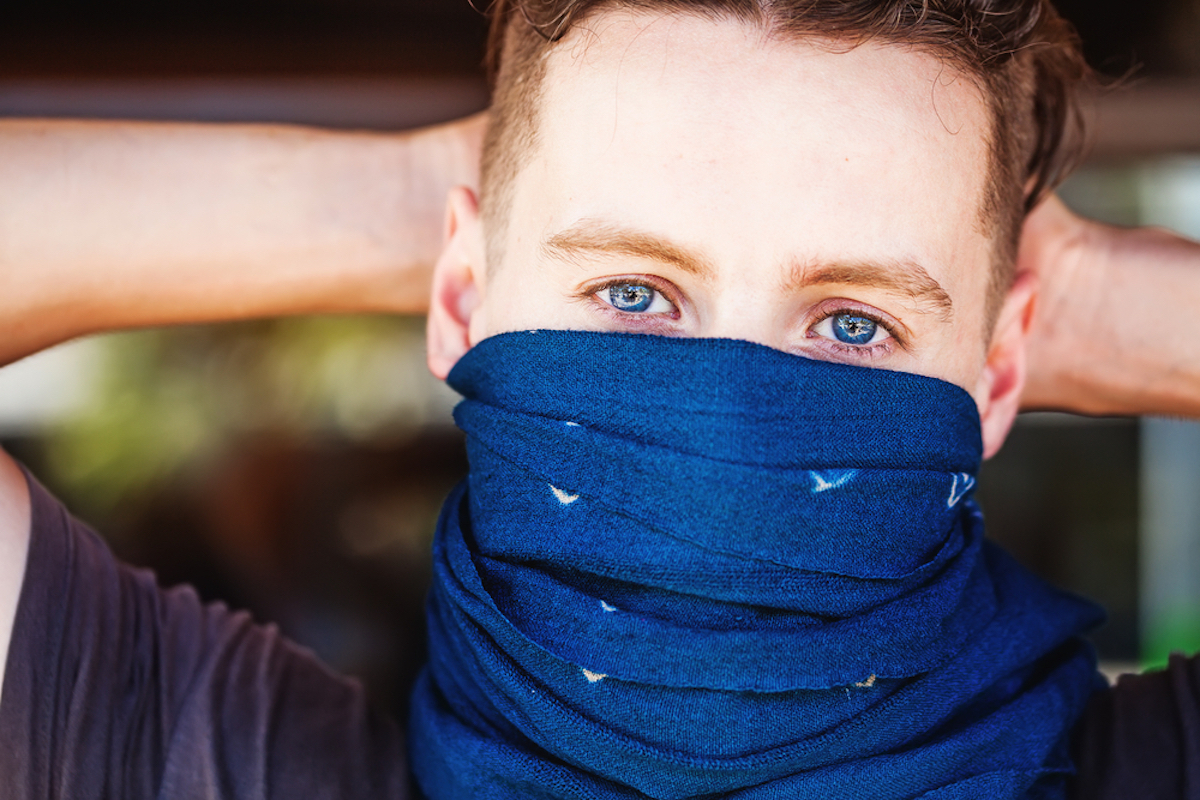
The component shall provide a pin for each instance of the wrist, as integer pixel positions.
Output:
(415, 171)
(1070, 256)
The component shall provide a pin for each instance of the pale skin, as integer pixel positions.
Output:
(1098, 344)
(750, 187)
(107, 226)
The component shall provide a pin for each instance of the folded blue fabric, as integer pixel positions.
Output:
(685, 568)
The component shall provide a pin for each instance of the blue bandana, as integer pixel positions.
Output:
(686, 568)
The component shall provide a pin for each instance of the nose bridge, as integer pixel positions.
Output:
(747, 302)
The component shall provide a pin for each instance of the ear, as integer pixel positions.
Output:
(458, 278)
(1003, 378)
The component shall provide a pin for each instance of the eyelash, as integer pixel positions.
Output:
(833, 309)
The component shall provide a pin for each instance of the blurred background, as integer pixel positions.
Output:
(296, 467)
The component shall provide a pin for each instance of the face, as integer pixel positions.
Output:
(697, 177)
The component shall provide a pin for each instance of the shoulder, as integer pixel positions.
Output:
(1141, 737)
(122, 689)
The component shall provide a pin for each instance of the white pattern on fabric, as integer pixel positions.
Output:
(831, 479)
(563, 497)
(958, 489)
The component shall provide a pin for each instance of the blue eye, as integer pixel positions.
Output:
(635, 298)
(853, 332)
(630, 297)
(853, 329)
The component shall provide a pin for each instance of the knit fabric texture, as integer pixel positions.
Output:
(692, 568)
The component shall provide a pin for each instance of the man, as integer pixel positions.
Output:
(699, 175)
(903, 196)
(841, 184)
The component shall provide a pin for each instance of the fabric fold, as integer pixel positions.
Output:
(691, 568)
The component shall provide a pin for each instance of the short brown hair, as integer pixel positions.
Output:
(1024, 57)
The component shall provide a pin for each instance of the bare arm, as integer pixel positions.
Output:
(118, 225)
(14, 547)
(106, 226)
(1111, 333)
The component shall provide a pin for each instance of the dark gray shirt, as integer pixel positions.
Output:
(116, 688)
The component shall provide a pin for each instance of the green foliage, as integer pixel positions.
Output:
(1173, 633)
(169, 399)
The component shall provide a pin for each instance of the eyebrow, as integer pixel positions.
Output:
(597, 238)
(906, 278)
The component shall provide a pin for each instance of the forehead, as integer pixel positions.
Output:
(753, 145)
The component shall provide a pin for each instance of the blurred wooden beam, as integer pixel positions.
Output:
(1143, 120)
(376, 103)
(295, 41)
(1147, 119)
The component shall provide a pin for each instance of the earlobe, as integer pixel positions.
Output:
(457, 294)
(1003, 377)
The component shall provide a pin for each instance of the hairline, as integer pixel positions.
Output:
(520, 144)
